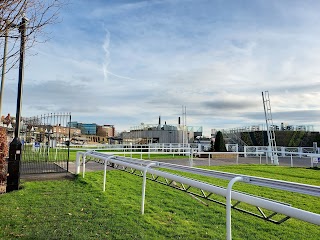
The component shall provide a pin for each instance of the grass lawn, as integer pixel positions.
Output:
(29, 154)
(53, 154)
(73, 154)
(78, 209)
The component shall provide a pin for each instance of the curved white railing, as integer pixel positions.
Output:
(146, 166)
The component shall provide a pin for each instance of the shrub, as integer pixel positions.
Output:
(219, 144)
(3, 155)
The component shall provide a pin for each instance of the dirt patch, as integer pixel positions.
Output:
(2, 189)
(217, 156)
(224, 156)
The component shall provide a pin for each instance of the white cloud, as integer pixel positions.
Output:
(129, 62)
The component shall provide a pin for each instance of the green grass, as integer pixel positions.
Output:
(29, 155)
(78, 209)
(44, 154)
(73, 154)
(299, 175)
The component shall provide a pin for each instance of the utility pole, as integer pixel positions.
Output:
(15, 149)
(4, 60)
(4, 64)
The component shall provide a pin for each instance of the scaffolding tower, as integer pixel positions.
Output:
(272, 148)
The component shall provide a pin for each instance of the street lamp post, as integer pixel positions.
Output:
(15, 149)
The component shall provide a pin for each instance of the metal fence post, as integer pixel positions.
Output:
(131, 149)
(245, 151)
(77, 167)
(228, 206)
(83, 165)
(266, 157)
(300, 151)
(283, 152)
(105, 172)
(144, 185)
(104, 175)
(260, 158)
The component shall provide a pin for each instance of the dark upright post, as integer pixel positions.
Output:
(15, 149)
(69, 142)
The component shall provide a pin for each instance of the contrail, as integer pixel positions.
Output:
(119, 76)
(106, 63)
(105, 47)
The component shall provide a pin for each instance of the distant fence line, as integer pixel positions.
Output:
(249, 151)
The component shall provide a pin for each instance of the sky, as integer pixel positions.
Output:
(127, 62)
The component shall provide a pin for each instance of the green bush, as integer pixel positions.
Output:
(246, 138)
(219, 144)
(3, 155)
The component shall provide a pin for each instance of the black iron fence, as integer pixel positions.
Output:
(45, 141)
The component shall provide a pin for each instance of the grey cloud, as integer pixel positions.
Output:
(230, 105)
(299, 116)
(296, 88)
(80, 96)
(59, 96)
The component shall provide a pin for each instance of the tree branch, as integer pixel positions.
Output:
(39, 13)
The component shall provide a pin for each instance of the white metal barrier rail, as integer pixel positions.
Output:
(281, 151)
(311, 190)
(188, 152)
(259, 202)
(151, 150)
(126, 146)
(300, 154)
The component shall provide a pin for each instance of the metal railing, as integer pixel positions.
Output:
(282, 151)
(144, 167)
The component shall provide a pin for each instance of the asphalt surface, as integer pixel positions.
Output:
(283, 161)
(95, 166)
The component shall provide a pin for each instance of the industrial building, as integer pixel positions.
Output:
(161, 133)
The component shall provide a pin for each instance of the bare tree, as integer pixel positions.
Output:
(39, 14)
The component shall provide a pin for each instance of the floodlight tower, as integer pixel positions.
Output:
(270, 128)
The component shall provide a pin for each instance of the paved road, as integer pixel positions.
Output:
(283, 161)
(286, 161)
(94, 166)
